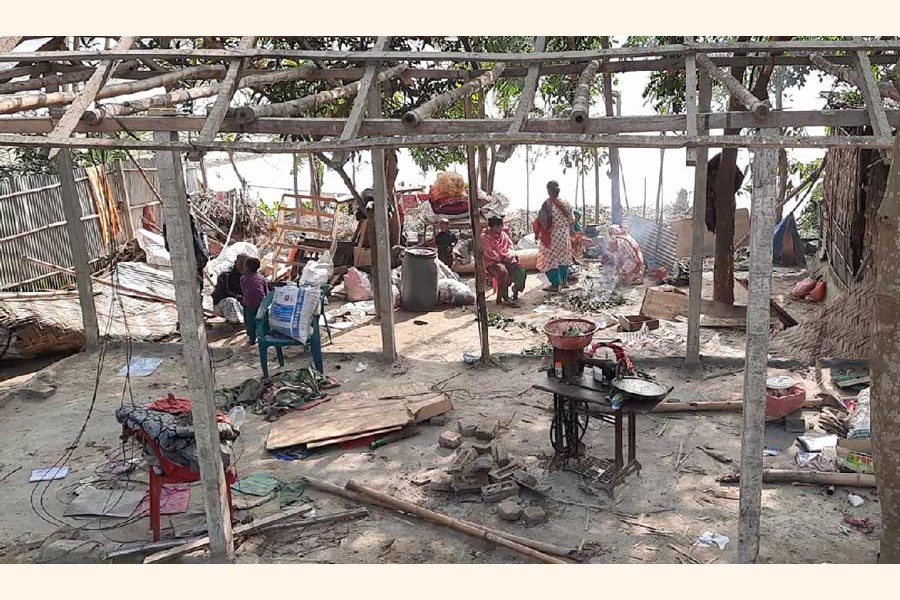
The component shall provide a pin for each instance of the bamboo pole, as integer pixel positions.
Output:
(847, 75)
(724, 405)
(743, 95)
(582, 102)
(39, 83)
(456, 524)
(248, 114)
(416, 116)
(811, 477)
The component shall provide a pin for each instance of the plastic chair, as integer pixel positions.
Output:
(269, 339)
(168, 472)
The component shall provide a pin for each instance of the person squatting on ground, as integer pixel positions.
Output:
(253, 291)
(501, 262)
(226, 296)
(553, 228)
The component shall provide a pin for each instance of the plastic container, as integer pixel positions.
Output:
(419, 282)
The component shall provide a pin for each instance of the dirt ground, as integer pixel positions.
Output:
(654, 517)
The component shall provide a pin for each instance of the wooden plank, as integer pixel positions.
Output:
(456, 57)
(382, 248)
(526, 99)
(367, 86)
(229, 85)
(292, 227)
(69, 120)
(424, 141)
(387, 127)
(78, 246)
(872, 95)
(201, 384)
(242, 530)
(783, 316)
(350, 438)
(698, 229)
(762, 221)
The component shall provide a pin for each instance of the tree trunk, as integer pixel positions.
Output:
(885, 365)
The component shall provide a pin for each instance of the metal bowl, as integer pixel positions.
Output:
(638, 388)
(557, 328)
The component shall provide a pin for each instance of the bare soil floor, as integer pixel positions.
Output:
(655, 516)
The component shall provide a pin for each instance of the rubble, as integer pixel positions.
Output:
(502, 473)
(467, 427)
(440, 483)
(496, 492)
(463, 457)
(439, 420)
(509, 510)
(450, 439)
(486, 430)
(482, 464)
(482, 447)
(534, 515)
(500, 454)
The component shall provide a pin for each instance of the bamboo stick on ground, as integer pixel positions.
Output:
(327, 486)
(456, 524)
(813, 477)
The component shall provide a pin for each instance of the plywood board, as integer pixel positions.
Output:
(351, 414)
(350, 438)
(666, 302)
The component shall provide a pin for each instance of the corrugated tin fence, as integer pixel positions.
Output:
(32, 222)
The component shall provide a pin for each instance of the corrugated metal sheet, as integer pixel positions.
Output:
(32, 222)
(647, 233)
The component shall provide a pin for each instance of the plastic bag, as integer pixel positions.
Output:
(358, 286)
(292, 310)
(455, 293)
(817, 294)
(154, 246)
(318, 272)
(803, 288)
(859, 425)
(445, 272)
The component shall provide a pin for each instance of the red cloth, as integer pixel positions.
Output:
(450, 206)
(497, 247)
(180, 406)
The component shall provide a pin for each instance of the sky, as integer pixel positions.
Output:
(270, 176)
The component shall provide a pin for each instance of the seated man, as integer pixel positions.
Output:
(226, 296)
(501, 262)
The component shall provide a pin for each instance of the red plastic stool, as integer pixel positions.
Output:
(169, 472)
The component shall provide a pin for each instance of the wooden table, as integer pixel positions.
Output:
(584, 395)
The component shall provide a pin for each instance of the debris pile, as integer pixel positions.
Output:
(481, 469)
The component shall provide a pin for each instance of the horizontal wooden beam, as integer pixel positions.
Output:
(422, 141)
(380, 127)
(366, 56)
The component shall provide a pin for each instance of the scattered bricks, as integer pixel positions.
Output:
(530, 482)
(440, 483)
(500, 454)
(509, 510)
(450, 439)
(467, 484)
(439, 420)
(496, 492)
(482, 447)
(487, 430)
(503, 473)
(534, 515)
(462, 458)
(482, 464)
(467, 428)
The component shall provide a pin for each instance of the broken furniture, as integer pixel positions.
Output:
(312, 219)
(269, 339)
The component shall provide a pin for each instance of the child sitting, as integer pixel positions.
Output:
(253, 291)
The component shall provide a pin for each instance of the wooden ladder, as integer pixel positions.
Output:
(312, 219)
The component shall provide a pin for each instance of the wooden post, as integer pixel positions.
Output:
(690, 101)
(872, 95)
(475, 220)
(381, 245)
(527, 188)
(765, 163)
(201, 381)
(885, 364)
(78, 244)
(596, 187)
(698, 228)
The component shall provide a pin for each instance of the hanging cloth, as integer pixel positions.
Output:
(104, 204)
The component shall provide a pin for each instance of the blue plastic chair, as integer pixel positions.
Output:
(269, 339)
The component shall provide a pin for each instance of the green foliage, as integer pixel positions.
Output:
(18, 162)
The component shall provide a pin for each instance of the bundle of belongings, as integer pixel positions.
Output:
(282, 393)
(448, 199)
(169, 424)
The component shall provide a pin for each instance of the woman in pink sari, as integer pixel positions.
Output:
(553, 228)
